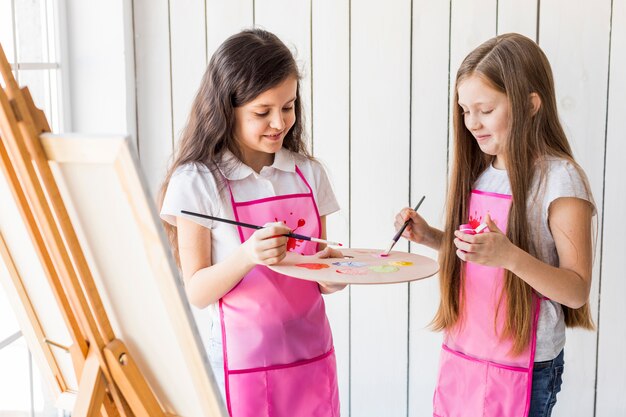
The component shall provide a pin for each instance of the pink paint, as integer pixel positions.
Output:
(467, 229)
(379, 255)
(312, 266)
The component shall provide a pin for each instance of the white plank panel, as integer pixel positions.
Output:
(518, 16)
(98, 66)
(330, 75)
(295, 32)
(429, 130)
(6, 30)
(611, 384)
(472, 23)
(189, 59)
(154, 99)
(380, 99)
(225, 18)
(188, 37)
(575, 37)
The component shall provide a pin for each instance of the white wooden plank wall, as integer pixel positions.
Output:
(428, 172)
(379, 159)
(376, 89)
(330, 78)
(580, 61)
(611, 368)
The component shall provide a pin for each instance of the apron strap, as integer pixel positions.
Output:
(304, 179)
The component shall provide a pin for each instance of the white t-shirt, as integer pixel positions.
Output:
(562, 180)
(193, 187)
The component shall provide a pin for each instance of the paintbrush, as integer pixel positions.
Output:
(254, 226)
(399, 233)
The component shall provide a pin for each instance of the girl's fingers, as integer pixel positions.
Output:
(271, 230)
(271, 256)
(273, 261)
(468, 238)
(269, 245)
(329, 252)
(466, 246)
(403, 216)
(469, 257)
(460, 244)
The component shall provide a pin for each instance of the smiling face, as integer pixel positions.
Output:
(262, 123)
(486, 114)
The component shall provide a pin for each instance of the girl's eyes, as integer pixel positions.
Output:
(466, 112)
(285, 109)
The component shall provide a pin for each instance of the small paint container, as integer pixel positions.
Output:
(467, 229)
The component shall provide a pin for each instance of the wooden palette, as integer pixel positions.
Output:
(358, 266)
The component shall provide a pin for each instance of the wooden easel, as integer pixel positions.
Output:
(110, 383)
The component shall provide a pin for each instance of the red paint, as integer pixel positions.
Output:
(312, 266)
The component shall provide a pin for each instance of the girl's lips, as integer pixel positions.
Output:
(274, 136)
(482, 137)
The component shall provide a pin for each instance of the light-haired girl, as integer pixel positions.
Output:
(508, 291)
(243, 157)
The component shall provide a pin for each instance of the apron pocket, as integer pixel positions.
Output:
(472, 387)
(302, 389)
(246, 394)
(507, 391)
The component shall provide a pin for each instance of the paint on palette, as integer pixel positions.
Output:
(379, 255)
(384, 268)
(352, 264)
(400, 263)
(312, 266)
(352, 271)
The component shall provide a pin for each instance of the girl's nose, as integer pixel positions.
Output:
(472, 122)
(277, 122)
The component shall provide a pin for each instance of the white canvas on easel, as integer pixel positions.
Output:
(117, 226)
(132, 267)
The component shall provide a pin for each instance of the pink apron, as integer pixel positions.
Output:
(279, 359)
(478, 376)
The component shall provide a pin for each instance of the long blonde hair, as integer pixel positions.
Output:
(516, 66)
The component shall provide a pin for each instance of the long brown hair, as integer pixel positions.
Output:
(244, 66)
(516, 66)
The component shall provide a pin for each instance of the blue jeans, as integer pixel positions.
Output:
(546, 384)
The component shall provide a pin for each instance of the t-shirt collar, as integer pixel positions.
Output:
(233, 169)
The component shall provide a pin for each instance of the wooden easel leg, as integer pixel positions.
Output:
(108, 408)
(91, 389)
(129, 379)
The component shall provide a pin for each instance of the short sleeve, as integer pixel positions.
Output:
(191, 188)
(326, 200)
(566, 180)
